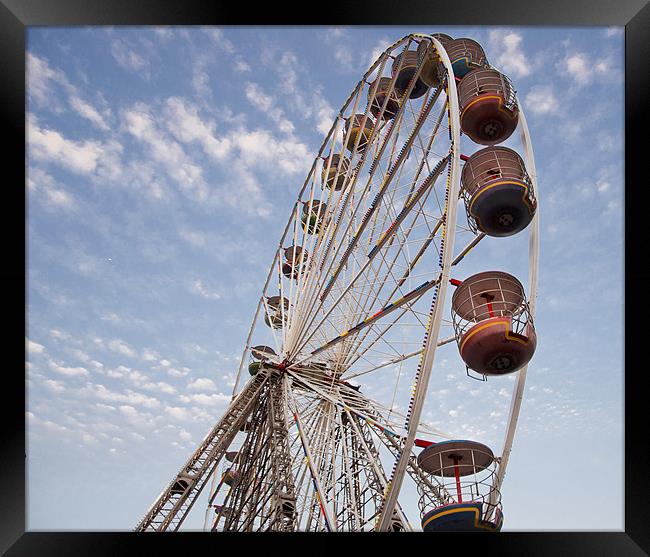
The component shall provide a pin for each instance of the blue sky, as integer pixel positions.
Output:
(162, 167)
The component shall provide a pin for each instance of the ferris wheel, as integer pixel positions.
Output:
(366, 284)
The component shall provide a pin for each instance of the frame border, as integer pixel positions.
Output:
(16, 15)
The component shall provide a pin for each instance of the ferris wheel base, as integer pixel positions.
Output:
(461, 517)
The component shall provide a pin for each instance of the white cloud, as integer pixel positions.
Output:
(69, 371)
(118, 373)
(40, 77)
(197, 287)
(161, 387)
(241, 66)
(178, 413)
(205, 400)
(89, 112)
(218, 38)
(129, 59)
(245, 151)
(144, 175)
(123, 348)
(129, 397)
(89, 439)
(304, 98)
(34, 347)
(541, 100)
(184, 122)
(60, 335)
(137, 418)
(194, 349)
(41, 81)
(112, 317)
(612, 209)
(202, 384)
(578, 68)
(81, 157)
(177, 373)
(99, 343)
(602, 185)
(614, 32)
(79, 354)
(378, 50)
(49, 425)
(149, 355)
(201, 80)
(179, 166)
(164, 33)
(193, 237)
(135, 376)
(54, 386)
(510, 59)
(59, 198)
(341, 46)
(265, 103)
(261, 148)
(323, 113)
(129, 411)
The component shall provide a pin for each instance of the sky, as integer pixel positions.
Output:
(162, 165)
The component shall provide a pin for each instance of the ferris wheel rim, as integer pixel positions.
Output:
(390, 498)
(533, 265)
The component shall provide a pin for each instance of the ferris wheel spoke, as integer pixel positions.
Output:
(373, 340)
(383, 364)
(319, 290)
(468, 248)
(364, 408)
(410, 204)
(350, 186)
(358, 350)
(317, 481)
(419, 291)
(421, 251)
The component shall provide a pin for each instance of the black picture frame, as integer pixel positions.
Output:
(17, 15)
